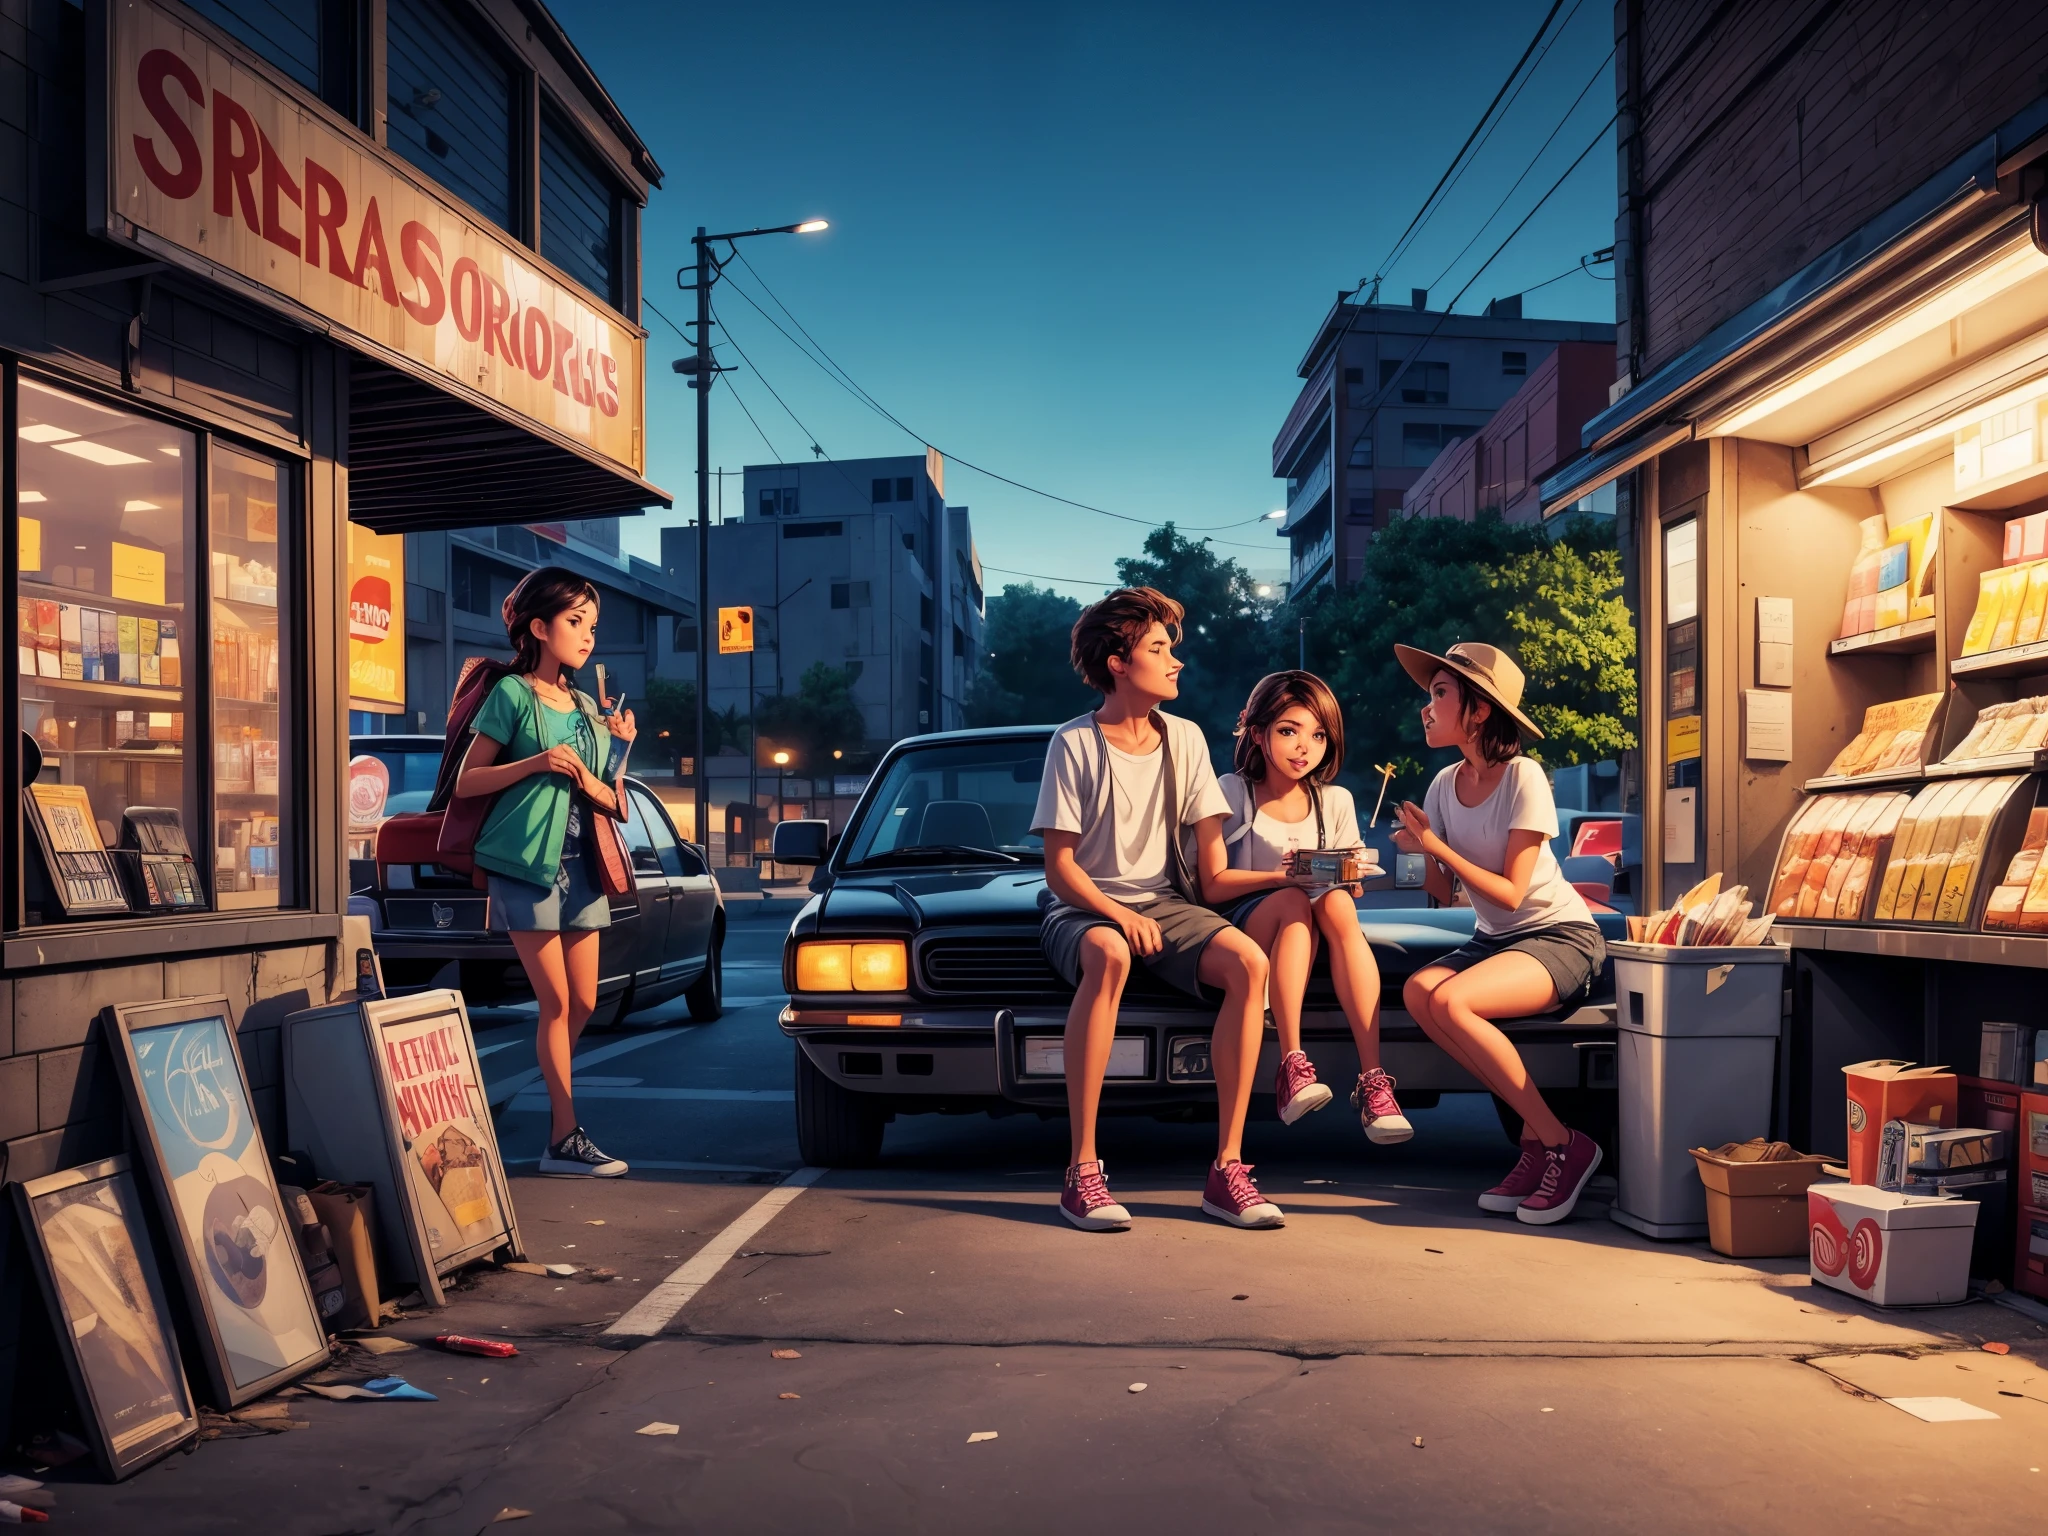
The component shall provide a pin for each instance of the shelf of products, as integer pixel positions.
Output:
(1891, 584)
(1892, 747)
(247, 671)
(1894, 640)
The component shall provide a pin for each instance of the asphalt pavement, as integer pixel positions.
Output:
(964, 1360)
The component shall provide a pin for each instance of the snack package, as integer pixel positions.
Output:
(1984, 617)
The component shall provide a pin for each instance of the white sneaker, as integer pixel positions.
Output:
(576, 1156)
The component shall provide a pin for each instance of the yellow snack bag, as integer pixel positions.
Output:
(1984, 619)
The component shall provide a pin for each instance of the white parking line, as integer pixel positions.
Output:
(659, 1307)
(601, 1090)
(498, 1092)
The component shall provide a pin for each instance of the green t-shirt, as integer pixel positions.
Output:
(523, 834)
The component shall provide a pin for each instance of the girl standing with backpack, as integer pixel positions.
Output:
(554, 759)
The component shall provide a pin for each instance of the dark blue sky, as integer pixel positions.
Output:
(1083, 245)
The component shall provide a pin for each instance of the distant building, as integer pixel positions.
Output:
(857, 563)
(1386, 390)
(1499, 467)
(455, 583)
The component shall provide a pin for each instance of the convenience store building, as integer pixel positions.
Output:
(1822, 482)
(265, 271)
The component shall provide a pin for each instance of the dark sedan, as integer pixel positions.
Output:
(917, 985)
(664, 941)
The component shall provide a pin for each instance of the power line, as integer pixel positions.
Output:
(809, 435)
(1074, 581)
(773, 452)
(1429, 202)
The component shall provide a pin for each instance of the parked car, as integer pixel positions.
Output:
(917, 985)
(664, 941)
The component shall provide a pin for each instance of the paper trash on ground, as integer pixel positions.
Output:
(1940, 1410)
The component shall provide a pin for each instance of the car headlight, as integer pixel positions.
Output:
(872, 965)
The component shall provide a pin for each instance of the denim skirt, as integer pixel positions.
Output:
(575, 901)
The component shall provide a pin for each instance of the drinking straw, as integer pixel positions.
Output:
(1386, 773)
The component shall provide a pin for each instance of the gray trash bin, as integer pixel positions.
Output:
(1697, 1048)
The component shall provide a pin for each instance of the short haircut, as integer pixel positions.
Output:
(1114, 626)
(1499, 737)
(1275, 694)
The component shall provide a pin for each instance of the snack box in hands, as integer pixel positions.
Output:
(1888, 1248)
(1335, 866)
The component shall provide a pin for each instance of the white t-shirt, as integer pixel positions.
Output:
(1264, 844)
(1125, 853)
(1520, 802)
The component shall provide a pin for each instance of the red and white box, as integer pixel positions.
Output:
(1889, 1249)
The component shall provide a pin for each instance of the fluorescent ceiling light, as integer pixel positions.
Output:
(141, 506)
(45, 432)
(171, 451)
(98, 453)
(75, 402)
(1926, 437)
(29, 496)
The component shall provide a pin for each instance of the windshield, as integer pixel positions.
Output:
(412, 778)
(974, 795)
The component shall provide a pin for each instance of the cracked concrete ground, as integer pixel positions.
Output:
(1572, 1379)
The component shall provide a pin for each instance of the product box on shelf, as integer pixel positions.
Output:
(2001, 1048)
(1892, 1090)
(1829, 852)
(1887, 1248)
(1952, 830)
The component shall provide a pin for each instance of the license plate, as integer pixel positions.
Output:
(1046, 1056)
(1187, 1059)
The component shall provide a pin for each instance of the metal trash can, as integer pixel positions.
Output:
(1697, 1048)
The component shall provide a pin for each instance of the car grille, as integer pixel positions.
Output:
(1008, 969)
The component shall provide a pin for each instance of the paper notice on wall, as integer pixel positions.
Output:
(1681, 571)
(1774, 642)
(1681, 738)
(1681, 839)
(1766, 726)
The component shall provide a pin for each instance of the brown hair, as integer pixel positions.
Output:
(1274, 695)
(1116, 624)
(544, 594)
(1500, 739)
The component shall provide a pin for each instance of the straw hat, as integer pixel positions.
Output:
(1488, 668)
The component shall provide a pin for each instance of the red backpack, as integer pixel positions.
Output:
(445, 832)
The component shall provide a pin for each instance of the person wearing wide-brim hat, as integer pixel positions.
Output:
(1486, 822)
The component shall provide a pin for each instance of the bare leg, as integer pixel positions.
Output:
(1353, 972)
(1507, 986)
(1279, 925)
(1233, 963)
(1091, 1027)
(553, 1041)
(579, 957)
(1419, 993)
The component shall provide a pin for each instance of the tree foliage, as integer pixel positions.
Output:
(821, 717)
(667, 718)
(1025, 677)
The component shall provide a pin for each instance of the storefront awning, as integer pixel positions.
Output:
(1590, 471)
(421, 458)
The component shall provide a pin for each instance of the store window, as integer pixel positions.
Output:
(1421, 383)
(1514, 365)
(580, 211)
(451, 108)
(311, 42)
(149, 796)
(1361, 448)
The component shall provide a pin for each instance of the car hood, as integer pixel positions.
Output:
(906, 901)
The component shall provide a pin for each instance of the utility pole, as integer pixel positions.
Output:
(700, 381)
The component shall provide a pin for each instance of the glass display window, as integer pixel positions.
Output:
(157, 660)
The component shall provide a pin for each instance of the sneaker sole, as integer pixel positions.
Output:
(1501, 1205)
(1239, 1219)
(1097, 1223)
(1565, 1206)
(611, 1170)
(1380, 1133)
(1306, 1102)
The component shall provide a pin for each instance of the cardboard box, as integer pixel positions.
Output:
(1998, 1052)
(1756, 1209)
(1892, 1090)
(1890, 1249)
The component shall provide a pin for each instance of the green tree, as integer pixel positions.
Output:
(821, 717)
(1025, 676)
(667, 718)
(1577, 643)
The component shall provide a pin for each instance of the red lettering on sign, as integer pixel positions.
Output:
(158, 67)
(581, 389)
(538, 341)
(415, 244)
(277, 180)
(326, 212)
(466, 297)
(498, 308)
(608, 391)
(565, 352)
(234, 168)
(372, 256)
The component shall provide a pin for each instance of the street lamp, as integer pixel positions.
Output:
(703, 370)
(781, 786)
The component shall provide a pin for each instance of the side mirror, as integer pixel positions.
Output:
(800, 842)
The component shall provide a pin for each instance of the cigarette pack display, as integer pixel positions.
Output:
(156, 860)
(82, 876)
(1895, 735)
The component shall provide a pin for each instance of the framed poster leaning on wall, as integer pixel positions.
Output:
(91, 1249)
(204, 1158)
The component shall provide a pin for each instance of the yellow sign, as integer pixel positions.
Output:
(138, 574)
(29, 541)
(376, 620)
(225, 170)
(1681, 738)
(735, 631)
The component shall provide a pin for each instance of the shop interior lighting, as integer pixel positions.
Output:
(72, 402)
(98, 453)
(141, 506)
(1927, 437)
(171, 451)
(1936, 310)
(45, 432)
(28, 496)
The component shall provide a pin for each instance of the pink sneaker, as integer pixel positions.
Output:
(1522, 1180)
(1295, 1089)
(1377, 1111)
(1232, 1196)
(1565, 1171)
(1086, 1201)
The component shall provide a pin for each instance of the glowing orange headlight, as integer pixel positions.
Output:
(878, 965)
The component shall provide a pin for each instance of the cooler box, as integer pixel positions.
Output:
(1756, 1209)
(1892, 1090)
(1696, 1055)
(1889, 1249)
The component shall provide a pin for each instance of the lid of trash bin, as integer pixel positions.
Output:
(1700, 954)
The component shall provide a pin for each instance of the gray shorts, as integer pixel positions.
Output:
(575, 901)
(1184, 931)
(1571, 952)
